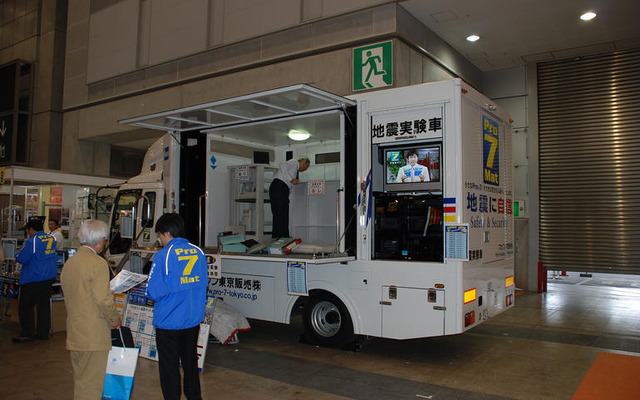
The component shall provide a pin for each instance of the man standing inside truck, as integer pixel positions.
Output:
(283, 182)
(178, 286)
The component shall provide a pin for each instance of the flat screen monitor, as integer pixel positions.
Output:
(9, 246)
(413, 168)
(70, 252)
(61, 257)
(261, 157)
(135, 262)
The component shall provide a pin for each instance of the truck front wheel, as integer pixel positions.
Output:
(327, 321)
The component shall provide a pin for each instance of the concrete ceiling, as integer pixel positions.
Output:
(517, 32)
(512, 33)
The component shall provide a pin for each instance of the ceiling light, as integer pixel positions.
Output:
(588, 16)
(473, 38)
(298, 134)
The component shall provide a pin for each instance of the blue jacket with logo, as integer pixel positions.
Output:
(38, 258)
(178, 285)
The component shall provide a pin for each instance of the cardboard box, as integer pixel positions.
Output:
(234, 248)
(228, 239)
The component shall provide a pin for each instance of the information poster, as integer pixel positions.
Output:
(315, 188)
(33, 202)
(139, 318)
(55, 195)
(297, 278)
(203, 341)
(456, 239)
(120, 300)
(242, 172)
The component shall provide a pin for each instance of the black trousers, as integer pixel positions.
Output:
(35, 295)
(175, 346)
(279, 197)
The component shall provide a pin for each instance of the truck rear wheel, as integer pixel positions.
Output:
(327, 321)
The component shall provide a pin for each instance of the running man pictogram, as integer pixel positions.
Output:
(372, 61)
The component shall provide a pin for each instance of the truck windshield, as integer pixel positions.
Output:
(104, 198)
(125, 201)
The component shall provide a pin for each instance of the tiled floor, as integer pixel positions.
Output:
(540, 349)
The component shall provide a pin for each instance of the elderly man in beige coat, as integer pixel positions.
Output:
(91, 312)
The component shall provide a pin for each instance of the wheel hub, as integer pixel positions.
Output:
(326, 319)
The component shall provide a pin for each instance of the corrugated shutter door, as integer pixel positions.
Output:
(589, 127)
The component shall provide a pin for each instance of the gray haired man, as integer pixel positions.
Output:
(283, 182)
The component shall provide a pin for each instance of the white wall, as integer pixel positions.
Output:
(315, 171)
(218, 184)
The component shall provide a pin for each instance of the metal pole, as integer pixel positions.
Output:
(206, 196)
(10, 218)
(338, 218)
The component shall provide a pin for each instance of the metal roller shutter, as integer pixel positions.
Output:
(589, 127)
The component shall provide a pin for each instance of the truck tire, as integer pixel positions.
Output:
(327, 321)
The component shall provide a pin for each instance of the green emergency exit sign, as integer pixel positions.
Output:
(373, 66)
(518, 208)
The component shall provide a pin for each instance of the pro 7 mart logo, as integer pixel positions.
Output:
(491, 152)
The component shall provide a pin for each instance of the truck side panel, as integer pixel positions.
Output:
(487, 209)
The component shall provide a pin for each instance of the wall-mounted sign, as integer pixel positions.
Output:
(411, 124)
(315, 188)
(6, 136)
(491, 153)
(373, 66)
(456, 242)
(297, 278)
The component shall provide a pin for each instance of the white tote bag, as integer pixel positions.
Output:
(121, 367)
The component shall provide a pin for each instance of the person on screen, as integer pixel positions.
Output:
(413, 172)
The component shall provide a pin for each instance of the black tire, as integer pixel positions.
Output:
(327, 321)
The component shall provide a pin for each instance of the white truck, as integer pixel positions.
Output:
(405, 214)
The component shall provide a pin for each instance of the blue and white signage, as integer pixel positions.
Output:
(491, 151)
